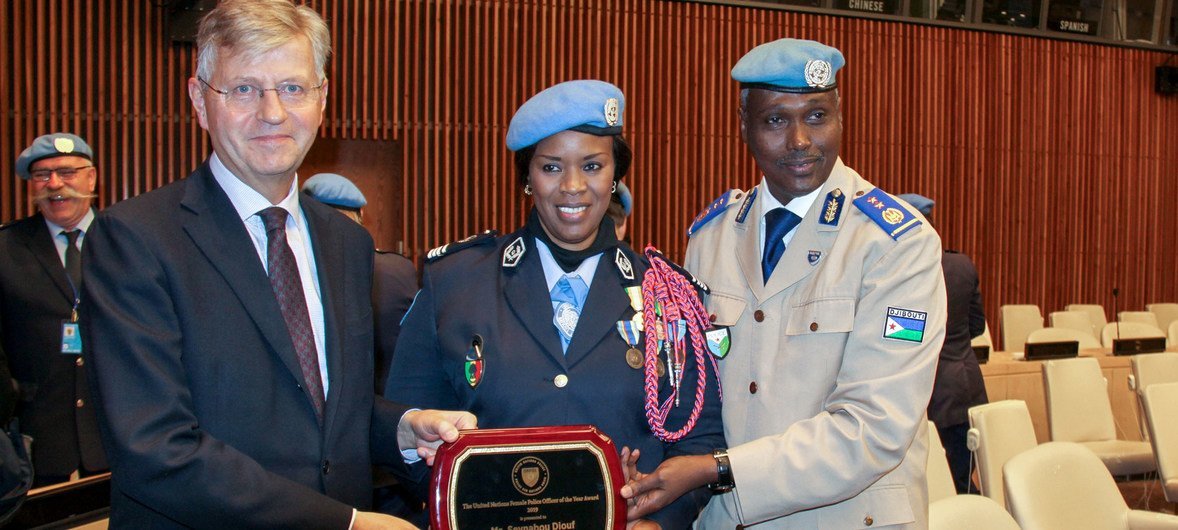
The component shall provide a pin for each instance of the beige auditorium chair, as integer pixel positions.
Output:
(1062, 485)
(1077, 320)
(969, 512)
(1078, 410)
(1166, 313)
(1086, 340)
(1128, 330)
(940, 479)
(1161, 413)
(1173, 334)
(998, 431)
(1018, 321)
(1150, 369)
(1144, 317)
(1095, 313)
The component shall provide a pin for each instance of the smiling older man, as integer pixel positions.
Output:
(40, 283)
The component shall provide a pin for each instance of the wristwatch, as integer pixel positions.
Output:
(724, 481)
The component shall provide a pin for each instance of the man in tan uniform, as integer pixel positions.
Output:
(830, 294)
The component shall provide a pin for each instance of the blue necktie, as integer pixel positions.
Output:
(778, 222)
(568, 297)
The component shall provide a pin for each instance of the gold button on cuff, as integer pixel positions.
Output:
(80, 403)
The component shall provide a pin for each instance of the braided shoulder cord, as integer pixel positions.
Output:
(664, 288)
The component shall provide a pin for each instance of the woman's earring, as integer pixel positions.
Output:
(527, 189)
(615, 188)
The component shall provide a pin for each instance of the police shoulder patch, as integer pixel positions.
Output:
(714, 210)
(486, 237)
(887, 212)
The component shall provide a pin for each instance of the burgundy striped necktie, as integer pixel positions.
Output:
(288, 287)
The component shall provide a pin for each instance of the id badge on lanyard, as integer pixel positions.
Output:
(71, 336)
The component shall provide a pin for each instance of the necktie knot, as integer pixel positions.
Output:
(273, 218)
(71, 236)
(778, 223)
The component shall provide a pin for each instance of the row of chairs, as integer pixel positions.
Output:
(1086, 323)
(1066, 483)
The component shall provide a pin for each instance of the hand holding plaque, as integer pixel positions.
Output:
(540, 478)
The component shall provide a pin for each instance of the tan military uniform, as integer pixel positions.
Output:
(825, 417)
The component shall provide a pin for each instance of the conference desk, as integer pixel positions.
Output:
(1007, 378)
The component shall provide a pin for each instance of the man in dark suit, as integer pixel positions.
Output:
(394, 280)
(959, 383)
(40, 278)
(228, 318)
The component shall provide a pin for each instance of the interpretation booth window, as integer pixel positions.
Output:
(1075, 16)
(1018, 13)
(879, 7)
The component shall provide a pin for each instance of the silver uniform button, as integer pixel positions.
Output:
(560, 381)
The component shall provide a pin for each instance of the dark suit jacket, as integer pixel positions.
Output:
(394, 283)
(35, 297)
(470, 293)
(203, 412)
(959, 383)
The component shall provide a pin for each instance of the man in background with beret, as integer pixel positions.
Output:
(959, 384)
(394, 280)
(830, 294)
(40, 283)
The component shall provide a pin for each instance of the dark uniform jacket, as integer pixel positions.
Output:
(394, 282)
(959, 383)
(35, 297)
(486, 289)
(204, 412)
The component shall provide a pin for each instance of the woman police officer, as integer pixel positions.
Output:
(539, 327)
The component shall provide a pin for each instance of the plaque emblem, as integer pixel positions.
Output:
(611, 112)
(529, 476)
(893, 216)
(624, 265)
(817, 73)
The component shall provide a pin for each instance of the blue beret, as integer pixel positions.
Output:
(789, 65)
(923, 204)
(587, 105)
(49, 146)
(625, 198)
(329, 188)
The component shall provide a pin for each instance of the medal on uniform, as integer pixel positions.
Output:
(631, 335)
(634, 293)
(719, 341)
(473, 369)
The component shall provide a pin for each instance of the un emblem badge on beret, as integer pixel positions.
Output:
(63, 145)
(818, 73)
(611, 112)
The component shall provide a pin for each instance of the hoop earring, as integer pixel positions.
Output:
(614, 189)
(527, 189)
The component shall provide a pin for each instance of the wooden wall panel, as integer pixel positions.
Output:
(1053, 162)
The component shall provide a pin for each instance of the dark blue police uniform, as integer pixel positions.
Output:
(485, 288)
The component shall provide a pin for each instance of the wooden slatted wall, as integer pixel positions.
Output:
(1053, 162)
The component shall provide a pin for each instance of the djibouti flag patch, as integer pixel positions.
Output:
(904, 324)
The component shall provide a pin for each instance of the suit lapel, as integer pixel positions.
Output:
(748, 250)
(40, 243)
(527, 296)
(606, 304)
(212, 223)
(329, 262)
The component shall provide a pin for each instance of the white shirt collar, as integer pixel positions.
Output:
(799, 205)
(246, 200)
(83, 225)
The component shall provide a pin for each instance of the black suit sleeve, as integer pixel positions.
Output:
(160, 455)
(7, 390)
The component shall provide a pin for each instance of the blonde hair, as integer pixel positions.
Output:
(254, 27)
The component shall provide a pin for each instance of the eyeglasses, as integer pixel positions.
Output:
(63, 173)
(246, 97)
